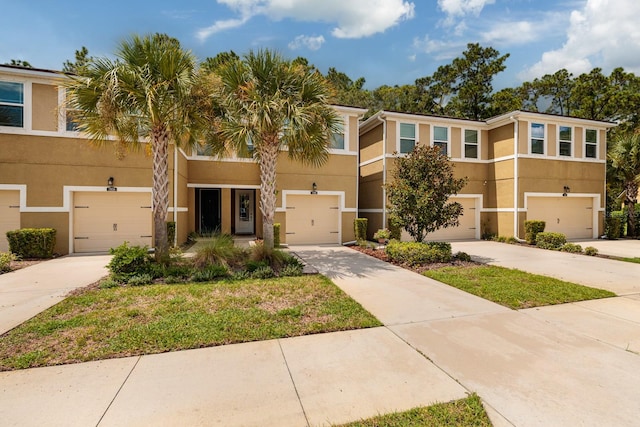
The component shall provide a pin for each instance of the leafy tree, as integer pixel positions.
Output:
(396, 98)
(150, 91)
(624, 158)
(212, 64)
(19, 63)
(274, 103)
(347, 91)
(420, 190)
(557, 88)
(81, 63)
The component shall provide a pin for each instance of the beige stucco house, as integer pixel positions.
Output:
(520, 166)
(53, 176)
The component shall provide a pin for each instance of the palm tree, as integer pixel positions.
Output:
(149, 93)
(624, 158)
(275, 105)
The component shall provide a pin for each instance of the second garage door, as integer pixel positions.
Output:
(572, 216)
(312, 219)
(9, 215)
(466, 229)
(105, 220)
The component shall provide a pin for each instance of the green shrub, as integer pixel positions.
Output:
(210, 273)
(291, 270)
(417, 253)
(531, 230)
(5, 261)
(171, 233)
(276, 235)
(265, 272)
(360, 228)
(252, 265)
(462, 256)
(108, 283)
(140, 280)
(129, 261)
(499, 239)
(274, 258)
(613, 227)
(220, 250)
(394, 228)
(382, 234)
(574, 248)
(241, 275)
(591, 251)
(550, 240)
(32, 242)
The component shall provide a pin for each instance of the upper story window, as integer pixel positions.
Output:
(470, 144)
(407, 137)
(565, 138)
(11, 104)
(591, 143)
(441, 139)
(337, 138)
(537, 138)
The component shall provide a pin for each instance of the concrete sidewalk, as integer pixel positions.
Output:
(28, 291)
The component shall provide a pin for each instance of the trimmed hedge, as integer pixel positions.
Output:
(416, 253)
(550, 240)
(395, 228)
(5, 261)
(32, 242)
(613, 227)
(360, 228)
(129, 261)
(531, 229)
(571, 247)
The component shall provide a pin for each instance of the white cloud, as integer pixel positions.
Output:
(353, 18)
(461, 8)
(218, 26)
(441, 49)
(603, 34)
(311, 43)
(512, 33)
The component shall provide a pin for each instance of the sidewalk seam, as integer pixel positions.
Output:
(118, 392)
(293, 382)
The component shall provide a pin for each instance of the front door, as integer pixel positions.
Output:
(244, 207)
(209, 210)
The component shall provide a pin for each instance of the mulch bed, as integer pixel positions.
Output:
(382, 256)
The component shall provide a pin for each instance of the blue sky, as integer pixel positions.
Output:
(386, 41)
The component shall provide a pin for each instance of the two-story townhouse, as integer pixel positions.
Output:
(521, 165)
(51, 175)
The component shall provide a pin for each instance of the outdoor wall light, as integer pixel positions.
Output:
(110, 181)
(314, 188)
(566, 190)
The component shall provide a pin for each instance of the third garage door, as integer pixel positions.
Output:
(572, 216)
(312, 219)
(105, 220)
(9, 215)
(467, 227)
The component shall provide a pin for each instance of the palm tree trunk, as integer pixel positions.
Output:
(160, 146)
(268, 161)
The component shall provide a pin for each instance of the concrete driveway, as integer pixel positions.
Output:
(624, 248)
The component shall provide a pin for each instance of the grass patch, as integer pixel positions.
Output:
(633, 260)
(125, 321)
(514, 288)
(463, 412)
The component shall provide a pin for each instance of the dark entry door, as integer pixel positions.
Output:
(209, 210)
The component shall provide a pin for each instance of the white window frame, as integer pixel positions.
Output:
(596, 144)
(448, 141)
(345, 136)
(415, 138)
(477, 144)
(544, 138)
(26, 95)
(561, 141)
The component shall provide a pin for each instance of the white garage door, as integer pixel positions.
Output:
(312, 219)
(572, 216)
(9, 215)
(105, 220)
(467, 227)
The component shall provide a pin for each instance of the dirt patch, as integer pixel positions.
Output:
(24, 263)
(382, 256)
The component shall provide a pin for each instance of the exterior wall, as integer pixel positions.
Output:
(501, 142)
(45, 107)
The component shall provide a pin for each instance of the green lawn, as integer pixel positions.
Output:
(124, 321)
(514, 288)
(633, 260)
(464, 412)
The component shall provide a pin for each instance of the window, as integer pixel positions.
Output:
(537, 138)
(407, 137)
(337, 138)
(470, 144)
(72, 125)
(565, 140)
(11, 104)
(591, 143)
(441, 139)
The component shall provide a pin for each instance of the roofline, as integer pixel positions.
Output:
(347, 109)
(507, 117)
(35, 72)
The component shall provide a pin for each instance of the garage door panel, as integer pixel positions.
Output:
(465, 230)
(313, 219)
(9, 215)
(572, 216)
(106, 220)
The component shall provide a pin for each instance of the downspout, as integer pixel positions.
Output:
(384, 170)
(516, 224)
(175, 194)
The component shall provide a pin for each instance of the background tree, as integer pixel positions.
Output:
(624, 158)
(420, 190)
(213, 64)
(19, 63)
(79, 66)
(147, 92)
(274, 103)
